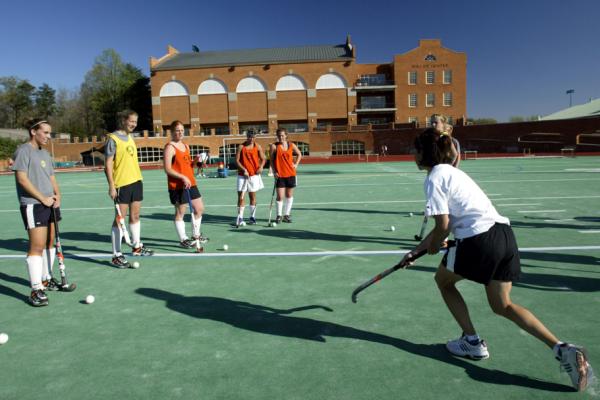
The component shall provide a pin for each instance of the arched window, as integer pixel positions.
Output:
(331, 81)
(212, 86)
(347, 147)
(150, 154)
(173, 88)
(290, 82)
(250, 84)
(303, 147)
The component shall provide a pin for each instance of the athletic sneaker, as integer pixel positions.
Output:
(120, 261)
(38, 298)
(574, 361)
(464, 348)
(52, 285)
(252, 221)
(278, 219)
(142, 251)
(286, 218)
(187, 243)
(202, 239)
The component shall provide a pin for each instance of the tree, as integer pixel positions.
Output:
(44, 101)
(481, 121)
(108, 86)
(16, 95)
(519, 118)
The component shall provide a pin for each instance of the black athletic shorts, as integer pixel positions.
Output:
(37, 215)
(179, 196)
(492, 255)
(129, 193)
(289, 182)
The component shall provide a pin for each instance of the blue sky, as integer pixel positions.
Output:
(522, 55)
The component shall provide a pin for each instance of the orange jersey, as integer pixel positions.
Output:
(182, 163)
(284, 161)
(250, 160)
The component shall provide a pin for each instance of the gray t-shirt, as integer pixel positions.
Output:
(111, 147)
(37, 163)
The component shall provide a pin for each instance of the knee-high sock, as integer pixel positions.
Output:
(279, 207)
(135, 230)
(116, 237)
(48, 257)
(34, 268)
(197, 225)
(180, 228)
(240, 216)
(288, 205)
(253, 211)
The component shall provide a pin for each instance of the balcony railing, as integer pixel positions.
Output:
(373, 82)
(376, 106)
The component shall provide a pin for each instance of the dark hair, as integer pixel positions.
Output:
(34, 123)
(281, 130)
(174, 125)
(124, 116)
(433, 148)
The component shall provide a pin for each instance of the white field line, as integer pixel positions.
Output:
(540, 211)
(559, 220)
(590, 231)
(302, 253)
(322, 203)
(517, 204)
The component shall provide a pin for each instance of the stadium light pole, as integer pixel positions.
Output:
(570, 93)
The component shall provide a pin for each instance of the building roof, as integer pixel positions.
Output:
(589, 109)
(284, 55)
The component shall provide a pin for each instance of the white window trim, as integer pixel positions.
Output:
(416, 100)
(211, 86)
(416, 78)
(173, 89)
(444, 99)
(250, 84)
(331, 81)
(427, 100)
(427, 83)
(444, 77)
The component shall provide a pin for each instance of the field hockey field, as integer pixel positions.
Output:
(271, 318)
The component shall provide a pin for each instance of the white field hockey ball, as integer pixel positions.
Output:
(225, 247)
(90, 299)
(3, 338)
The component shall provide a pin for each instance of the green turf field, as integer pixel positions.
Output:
(271, 318)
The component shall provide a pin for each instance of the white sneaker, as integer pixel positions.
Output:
(574, 361)
(463, 348)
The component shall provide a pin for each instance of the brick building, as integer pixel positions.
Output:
(307, 90)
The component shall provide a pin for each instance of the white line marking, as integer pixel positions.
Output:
(540, 211)
(589, 231)
(559, 220)
(518, 204)
(303, 253)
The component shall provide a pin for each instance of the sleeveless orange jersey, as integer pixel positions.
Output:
(284, 161)
(182, 163)
(250, 160)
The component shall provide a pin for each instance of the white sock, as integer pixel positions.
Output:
(288, 205)
(279, 207)
(180, 228)
(240, 216)
(34, 268)
(253, 211)
(116, 238)
(197, 225)
(48, 257)
(135, 230)
(556, 349)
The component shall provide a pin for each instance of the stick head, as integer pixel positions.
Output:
(354, 298)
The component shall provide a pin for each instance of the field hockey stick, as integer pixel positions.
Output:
(400, 265)
(189, 196)
(271, 205)
(121, 225)
(419, 237)
(64, 283)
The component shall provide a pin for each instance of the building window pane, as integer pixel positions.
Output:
(412, 100)
(448, 99)
(429, 77)
(412, 119)
(150, 154)
(292, 127)
(303, 147)
(447, 76)
(412, 78)
(347, 147)
(430, 100)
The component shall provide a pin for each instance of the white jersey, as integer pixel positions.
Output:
(449, 191)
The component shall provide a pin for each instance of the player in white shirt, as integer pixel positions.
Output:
(486, 252)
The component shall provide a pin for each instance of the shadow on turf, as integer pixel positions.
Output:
(271, 321)
(6, 291)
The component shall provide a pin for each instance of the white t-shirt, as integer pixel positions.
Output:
(452, 192)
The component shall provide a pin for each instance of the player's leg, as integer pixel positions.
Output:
(252, 219)
(198, 210)
(135, 224)
(279, 201)
(289, 196)
(468, 344)
(48, 257)
(35, 265)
